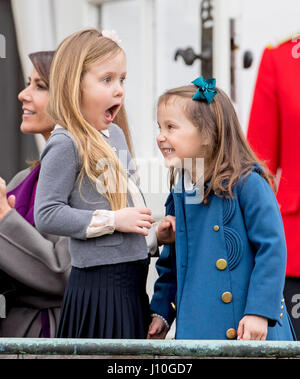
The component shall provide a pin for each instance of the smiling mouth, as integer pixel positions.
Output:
(27, 113)
(167, 152)
(111, 112)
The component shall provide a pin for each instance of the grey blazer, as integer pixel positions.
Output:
(63, 208)
(38, 267)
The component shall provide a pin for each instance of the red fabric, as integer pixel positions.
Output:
(274, 134)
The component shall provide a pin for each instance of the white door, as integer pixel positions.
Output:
(259, 24)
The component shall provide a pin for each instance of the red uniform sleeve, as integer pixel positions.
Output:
(263, 130)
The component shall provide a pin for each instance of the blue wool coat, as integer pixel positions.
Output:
(230, 261)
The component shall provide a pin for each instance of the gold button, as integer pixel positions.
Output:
(216, 228)
(282, 307)
(231, 333)
(173, 306)
(221, 264)
(227, 297)
(281, 315)
(282, 301)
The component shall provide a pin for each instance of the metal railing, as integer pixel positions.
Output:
(147, 348)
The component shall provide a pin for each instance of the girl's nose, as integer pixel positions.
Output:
(24, 95)
(161, 137)
(119, 90)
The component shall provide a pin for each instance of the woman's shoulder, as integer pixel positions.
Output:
(18, 178)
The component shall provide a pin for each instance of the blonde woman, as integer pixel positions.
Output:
(106, 293)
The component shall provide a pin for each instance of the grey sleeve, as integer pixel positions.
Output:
(58, 175)
(17, 179)
(33, 259)
(24, 250)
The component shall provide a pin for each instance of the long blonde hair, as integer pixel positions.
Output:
(71, 61)
(229, 155)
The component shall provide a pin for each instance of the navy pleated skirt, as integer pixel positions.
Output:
(107, 301)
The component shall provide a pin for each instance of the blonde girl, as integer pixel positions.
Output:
(82, 191)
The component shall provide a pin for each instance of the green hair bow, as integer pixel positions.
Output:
(206, 89)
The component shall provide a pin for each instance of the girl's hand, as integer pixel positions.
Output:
(5, 204)
(166, 230)
(157, 329)
(133, 220)
(252, 327)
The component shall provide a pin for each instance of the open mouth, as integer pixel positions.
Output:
(111, 112)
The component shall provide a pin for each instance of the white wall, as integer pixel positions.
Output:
(261, 23)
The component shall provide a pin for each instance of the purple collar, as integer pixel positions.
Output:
(25, 194)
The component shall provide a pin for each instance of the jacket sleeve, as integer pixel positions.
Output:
(266, 235)
(264, 122)
(165, 287)
(39, 261)
(58, 175)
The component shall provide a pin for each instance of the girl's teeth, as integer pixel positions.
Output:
(27, 112)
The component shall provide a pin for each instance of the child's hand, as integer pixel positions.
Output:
(157, 329)
(252, 327)
(133, 220)
(166, 231)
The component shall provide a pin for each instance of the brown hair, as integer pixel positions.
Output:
(41, 61)
(229, 155)
(71, 61)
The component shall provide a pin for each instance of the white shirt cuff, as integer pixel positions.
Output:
(151, 239)
(103, 222)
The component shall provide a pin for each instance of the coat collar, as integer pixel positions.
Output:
(104, 132)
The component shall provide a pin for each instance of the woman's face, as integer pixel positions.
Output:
(35, 99)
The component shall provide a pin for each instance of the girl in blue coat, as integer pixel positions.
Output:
(223, 276)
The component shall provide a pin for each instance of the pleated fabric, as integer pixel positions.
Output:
(108, 301)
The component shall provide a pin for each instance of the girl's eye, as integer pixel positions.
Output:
(170, 127)
(107, 79)
(122, 79)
